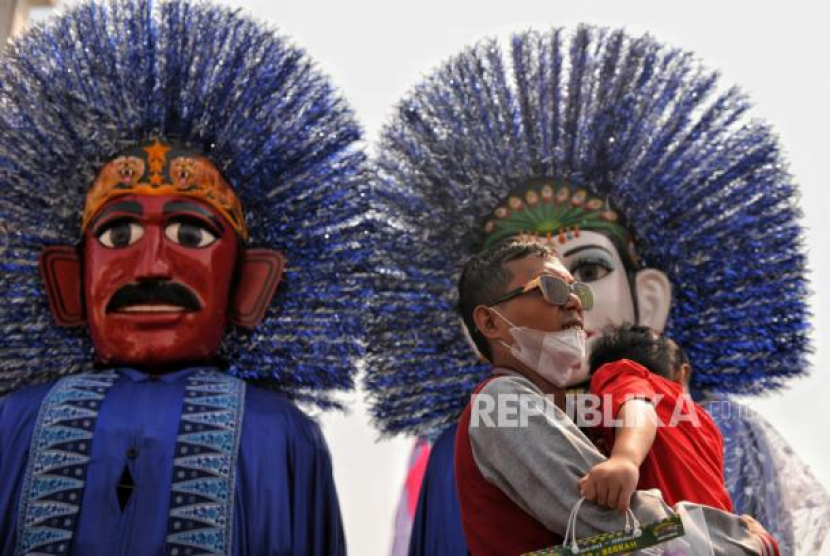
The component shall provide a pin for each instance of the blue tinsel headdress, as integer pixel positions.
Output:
(106, 76)
(703, 189)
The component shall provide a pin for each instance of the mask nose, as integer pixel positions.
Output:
(152, 263)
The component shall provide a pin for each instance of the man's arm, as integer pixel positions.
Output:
(538, 467)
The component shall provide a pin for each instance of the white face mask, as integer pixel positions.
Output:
(557, 356)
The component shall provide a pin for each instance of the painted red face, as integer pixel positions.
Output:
(158, 272)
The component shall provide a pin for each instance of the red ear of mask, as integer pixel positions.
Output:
(60, 268)
(260, 271)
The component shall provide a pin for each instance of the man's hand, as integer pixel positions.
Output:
(611, 483)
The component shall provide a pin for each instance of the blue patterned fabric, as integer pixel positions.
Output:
(58, 460)
(284, 498)
(204, 470)
(107, 75)
(700, 182)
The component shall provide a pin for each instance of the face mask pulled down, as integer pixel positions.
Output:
(557, 356)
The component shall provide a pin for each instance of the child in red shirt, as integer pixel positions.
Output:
(666, 441)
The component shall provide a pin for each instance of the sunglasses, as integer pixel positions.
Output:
(555, 291)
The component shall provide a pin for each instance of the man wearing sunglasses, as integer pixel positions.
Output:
(518, 456)
(551, 352)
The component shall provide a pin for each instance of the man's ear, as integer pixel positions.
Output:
(653, 298)
(486, 323)
(61, 271)
(259, 271)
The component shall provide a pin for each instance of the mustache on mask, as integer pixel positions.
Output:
(158, 292)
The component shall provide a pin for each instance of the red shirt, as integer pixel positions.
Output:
(686, 459)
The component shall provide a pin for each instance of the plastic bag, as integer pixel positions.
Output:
(683, 534)
(694, 542)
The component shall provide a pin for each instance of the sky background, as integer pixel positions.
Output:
(376, 50)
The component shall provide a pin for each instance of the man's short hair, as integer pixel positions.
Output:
(654, 351)
(484, 278)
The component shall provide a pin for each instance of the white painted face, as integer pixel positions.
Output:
(592, 258)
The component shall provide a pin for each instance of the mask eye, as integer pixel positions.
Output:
(591, 270)
(189, 234)
(120, 233)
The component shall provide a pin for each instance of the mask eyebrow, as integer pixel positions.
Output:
(185, 206)
(576, 250)
(130, 207)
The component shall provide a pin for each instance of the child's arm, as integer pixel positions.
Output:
(612, 482)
